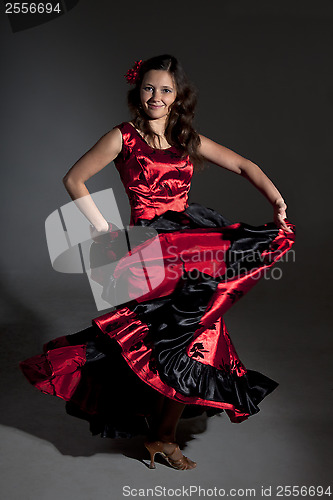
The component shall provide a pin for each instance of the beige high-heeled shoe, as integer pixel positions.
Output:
(181, 463)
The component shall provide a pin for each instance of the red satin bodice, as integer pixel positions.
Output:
(155, 180)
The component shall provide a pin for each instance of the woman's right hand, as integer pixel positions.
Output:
(97, 235)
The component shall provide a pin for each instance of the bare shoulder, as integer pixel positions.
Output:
(96, 158)
(110, 142)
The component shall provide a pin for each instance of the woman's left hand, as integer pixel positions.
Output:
(280, 214)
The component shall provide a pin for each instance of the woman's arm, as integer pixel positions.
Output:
(101, 154)
(224, 157)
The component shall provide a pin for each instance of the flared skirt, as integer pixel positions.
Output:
(166, 333)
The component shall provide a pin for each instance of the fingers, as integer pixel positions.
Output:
(282, 224)
(286, 228)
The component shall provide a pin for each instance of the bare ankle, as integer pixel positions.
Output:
(166, 438)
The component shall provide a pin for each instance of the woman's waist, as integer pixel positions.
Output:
(152, 209)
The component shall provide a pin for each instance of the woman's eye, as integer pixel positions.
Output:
(150, 89)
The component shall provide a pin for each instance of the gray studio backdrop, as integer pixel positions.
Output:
(263, 71)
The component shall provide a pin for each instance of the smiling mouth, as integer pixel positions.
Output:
(154, 106)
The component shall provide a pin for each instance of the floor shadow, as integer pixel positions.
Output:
(24, 330)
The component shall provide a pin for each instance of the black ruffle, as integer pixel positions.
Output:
(245, 240)
(172, 322)
(122, 402)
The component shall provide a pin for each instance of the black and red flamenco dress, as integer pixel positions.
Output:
(169, 337)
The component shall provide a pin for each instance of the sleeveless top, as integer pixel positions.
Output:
(155, 180)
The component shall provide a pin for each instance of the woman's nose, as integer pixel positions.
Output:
(156, 94)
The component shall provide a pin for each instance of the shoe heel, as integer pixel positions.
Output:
(152, 463)
(152, 457)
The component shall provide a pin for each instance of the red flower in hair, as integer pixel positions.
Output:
(132, 74)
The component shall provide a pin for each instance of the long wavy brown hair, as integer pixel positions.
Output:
(179, 129)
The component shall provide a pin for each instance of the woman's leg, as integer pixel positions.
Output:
(163, 434)
(165, 420)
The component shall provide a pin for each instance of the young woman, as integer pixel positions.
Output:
(177, 358)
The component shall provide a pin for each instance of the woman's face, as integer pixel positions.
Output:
(157, 93)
